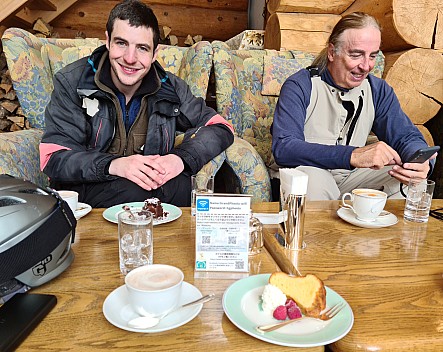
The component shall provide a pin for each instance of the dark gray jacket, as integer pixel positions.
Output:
(84, 118)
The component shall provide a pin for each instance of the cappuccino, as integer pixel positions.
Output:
(366, 203)
(369, 193)
(154, 278)
(154, 289)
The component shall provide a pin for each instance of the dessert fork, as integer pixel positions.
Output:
(326, 315)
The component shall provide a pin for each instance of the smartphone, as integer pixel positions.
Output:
(20, 315)
(423, 154)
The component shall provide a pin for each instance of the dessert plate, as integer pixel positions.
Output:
(111, 214)
(82, 210)
(383, 220)
(118, 312)
(241, 303)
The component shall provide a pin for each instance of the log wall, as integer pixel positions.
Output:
(215, 19)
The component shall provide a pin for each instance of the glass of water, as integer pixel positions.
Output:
(200, 183)
(418, 200)
(135, 238)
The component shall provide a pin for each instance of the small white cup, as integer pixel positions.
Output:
(367, 203)
(154, 289)
(70, 197)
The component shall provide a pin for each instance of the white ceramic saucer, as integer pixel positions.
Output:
(118, 311)
(82, 210)
(384, 220)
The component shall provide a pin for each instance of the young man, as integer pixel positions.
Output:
(325, 113)
(113, 117)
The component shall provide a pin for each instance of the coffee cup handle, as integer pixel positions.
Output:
(343, 201)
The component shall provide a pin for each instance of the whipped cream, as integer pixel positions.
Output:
(272, 297)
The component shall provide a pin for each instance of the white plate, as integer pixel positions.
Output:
(111, 214)
(384, 220)
(118, 312)
(82, 210)
(241, 303)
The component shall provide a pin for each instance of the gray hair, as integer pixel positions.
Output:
(355, 20)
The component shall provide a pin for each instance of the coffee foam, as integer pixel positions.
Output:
(154, 278)
(369, 193)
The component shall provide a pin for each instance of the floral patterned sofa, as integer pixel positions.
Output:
(33, 61)
(247, 84)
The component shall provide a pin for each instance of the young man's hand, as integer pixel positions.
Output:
(147, 171)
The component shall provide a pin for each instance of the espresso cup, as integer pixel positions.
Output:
(70, 197)
(366, 203)
(154, 289)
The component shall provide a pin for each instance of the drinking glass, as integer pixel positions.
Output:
(418, 200)
(135, 238)
(200, 183)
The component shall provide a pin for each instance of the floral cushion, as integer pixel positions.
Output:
(277, 69)
(19, 155)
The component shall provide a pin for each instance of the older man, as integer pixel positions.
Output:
(326, 112)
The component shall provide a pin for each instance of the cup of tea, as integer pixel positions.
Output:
(366, 203)
(154, 289)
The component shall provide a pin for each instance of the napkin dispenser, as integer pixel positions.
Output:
(293, 189)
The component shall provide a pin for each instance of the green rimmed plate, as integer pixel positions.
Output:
(241, 303)
(111, 214)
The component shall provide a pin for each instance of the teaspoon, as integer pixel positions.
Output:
(149, 321)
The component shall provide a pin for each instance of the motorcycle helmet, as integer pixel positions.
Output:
(37, 228)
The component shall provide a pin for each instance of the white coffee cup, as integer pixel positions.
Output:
(367, 203)
(154, 289)
(70, 197)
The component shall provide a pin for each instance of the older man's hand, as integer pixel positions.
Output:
(375, 156)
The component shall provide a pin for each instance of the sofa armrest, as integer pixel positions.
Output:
(249, 169)
(19, 156)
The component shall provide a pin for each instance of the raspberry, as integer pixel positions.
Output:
(280, 313)
(290, 303)
(294, 312)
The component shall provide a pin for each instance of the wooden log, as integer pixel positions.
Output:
(416, 76)
(309, 6)
(299, 31)
(406, 23)
(426, 134)
(214, 20)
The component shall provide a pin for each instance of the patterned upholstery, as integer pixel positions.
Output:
(247, 85)
(33, 61)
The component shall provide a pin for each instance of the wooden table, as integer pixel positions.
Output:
(77, 323)
(391, 277)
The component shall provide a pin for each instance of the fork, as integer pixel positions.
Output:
(326, 315)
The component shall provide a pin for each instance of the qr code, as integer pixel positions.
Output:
(232, 240)
(239, 265)
(206, 239)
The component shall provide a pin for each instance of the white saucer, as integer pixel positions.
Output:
(384, 220)
(118, 312)
(82, 210)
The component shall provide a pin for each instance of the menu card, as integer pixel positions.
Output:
(222, 232)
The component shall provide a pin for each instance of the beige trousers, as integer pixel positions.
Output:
(332, 184)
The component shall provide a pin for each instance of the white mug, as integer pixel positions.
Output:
(366, 203)
(154, 289)
(70, 197)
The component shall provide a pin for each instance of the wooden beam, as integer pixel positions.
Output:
(45, 5)
(9, 7)
(30, 16)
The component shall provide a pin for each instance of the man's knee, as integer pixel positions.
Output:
(321, 184)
